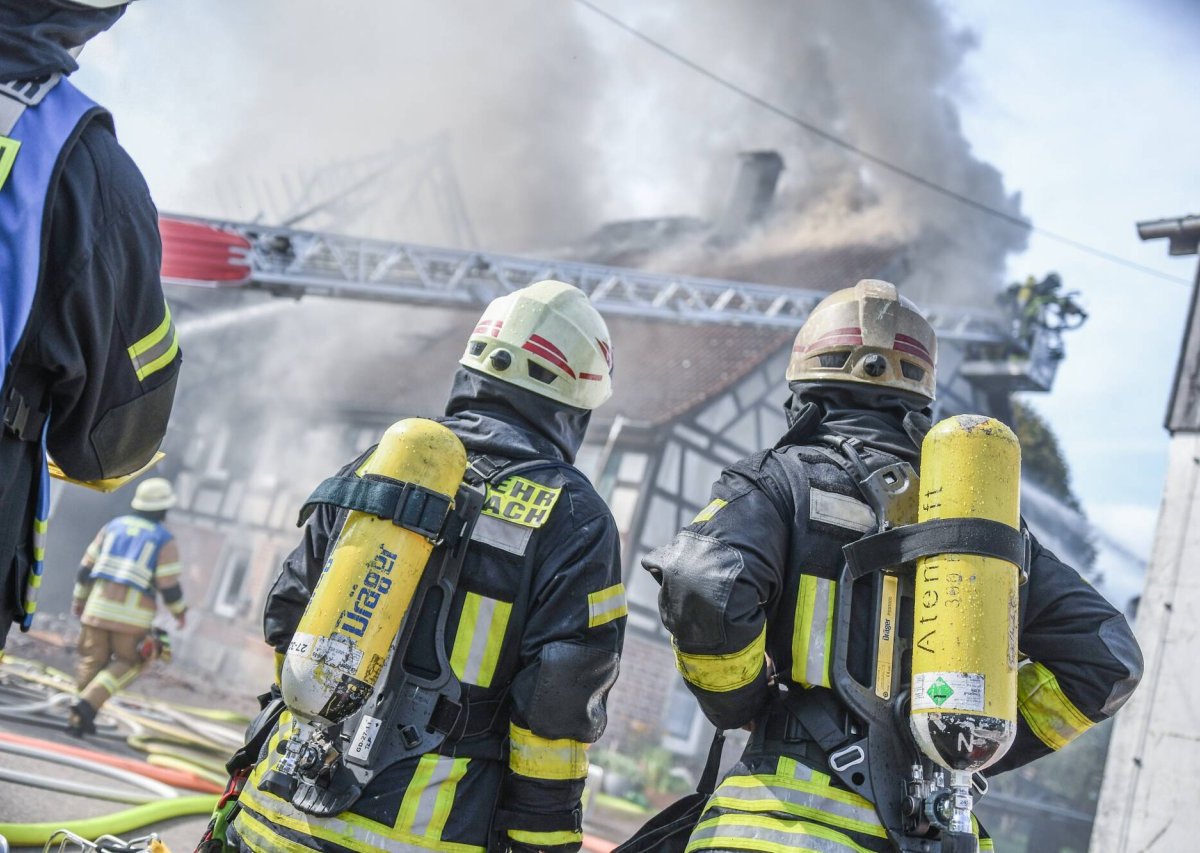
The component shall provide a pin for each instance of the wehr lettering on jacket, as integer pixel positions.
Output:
(520, 501)
(374, 587)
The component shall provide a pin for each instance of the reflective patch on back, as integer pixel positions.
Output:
(520, 501)
(505, 535)
(8, 154)
(840, 511)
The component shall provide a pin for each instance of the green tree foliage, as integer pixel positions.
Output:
(1041, 457)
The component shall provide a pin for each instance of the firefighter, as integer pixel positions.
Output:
(89, 354)
(132, 561)
(535, 628)
(748, 590)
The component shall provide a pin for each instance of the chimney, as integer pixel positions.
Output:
(753, 191)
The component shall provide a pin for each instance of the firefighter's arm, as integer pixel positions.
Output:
(166, 579)
(83, 578)
(569, 657)
(717, 577)
(1082, 660)
(107, 343)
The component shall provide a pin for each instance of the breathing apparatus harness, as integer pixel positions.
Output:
(870, 749)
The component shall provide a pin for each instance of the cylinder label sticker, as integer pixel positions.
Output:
(364, 738)
(947, 691)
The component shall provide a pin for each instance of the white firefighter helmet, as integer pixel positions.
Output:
(153, 494)
(547, 338)
(867, 334)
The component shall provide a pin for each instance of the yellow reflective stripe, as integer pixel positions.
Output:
(1047, 710)
(167, 570)
(177, 607)
(768, 835)
(709, 511)
(41, 527)
(722, 673)
(155, 351)
(347, 829)
(478, 639)
(541, 758)
(812, 634)
(606, 605)
(430, 796)
(788, 794)
(259, 838)
(8, 156)
(545, 839)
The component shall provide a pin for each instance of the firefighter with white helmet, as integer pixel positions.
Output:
(751, 593)
(89, 358)
(532, 632)
(132, 562)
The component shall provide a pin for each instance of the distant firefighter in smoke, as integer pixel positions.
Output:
(132, 561)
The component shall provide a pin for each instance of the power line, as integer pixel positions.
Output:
(832, 138)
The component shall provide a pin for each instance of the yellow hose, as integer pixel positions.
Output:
(175, 762)
(36, 834)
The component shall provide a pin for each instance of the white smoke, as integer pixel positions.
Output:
(556, 121)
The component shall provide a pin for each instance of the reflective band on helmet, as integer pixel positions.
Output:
(812, 637)
(155, 351)
(799, 791)
(478, 639)
(541, 758)
(542, 840)
(769, 835)
(723, 673)
(1047, 710)
(606, 605)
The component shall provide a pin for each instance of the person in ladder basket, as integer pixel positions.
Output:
(90, 356)
(533, 630)
(750, 589)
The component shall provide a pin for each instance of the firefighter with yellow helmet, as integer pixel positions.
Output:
(532, 629)
(751, 596)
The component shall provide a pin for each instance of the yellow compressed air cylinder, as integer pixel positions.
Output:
(964, 656)
(368, 582)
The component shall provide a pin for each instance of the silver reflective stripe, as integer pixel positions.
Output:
(816, 668)
(512, 538)
(480, 636)
(275, 809)
(741, 832)
(427, 804)
(759, 797)
(840, 511)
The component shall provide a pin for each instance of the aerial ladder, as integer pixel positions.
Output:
(294, 263)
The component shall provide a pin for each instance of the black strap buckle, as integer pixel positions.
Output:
(420, 511)
(22, 420)
(446, 713)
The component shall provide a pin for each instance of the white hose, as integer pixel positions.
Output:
(158, 789)
(63, 786)
(40, 705)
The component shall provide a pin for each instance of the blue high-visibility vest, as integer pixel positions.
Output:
(31, 160)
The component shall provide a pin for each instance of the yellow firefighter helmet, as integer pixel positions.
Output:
(869, 334)
(546, 338)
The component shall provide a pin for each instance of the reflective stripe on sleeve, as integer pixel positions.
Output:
(155, 351)
(168, 570)
(769, 835)
(723, 673)
(606, 605)
(709, 511)
(541, 758)
(1050, 714)
(40, 528)
(476, 649)
(812, 637)
(541, 840)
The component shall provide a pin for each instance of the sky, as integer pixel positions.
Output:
(1081, 106)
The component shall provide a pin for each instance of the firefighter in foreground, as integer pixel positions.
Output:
(749, 593)
(132, 561)
(88, 354)
(533, 630)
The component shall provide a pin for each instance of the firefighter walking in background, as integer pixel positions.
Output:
(88, 353)
(132, 561)
(533, 628)
(750, 589)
